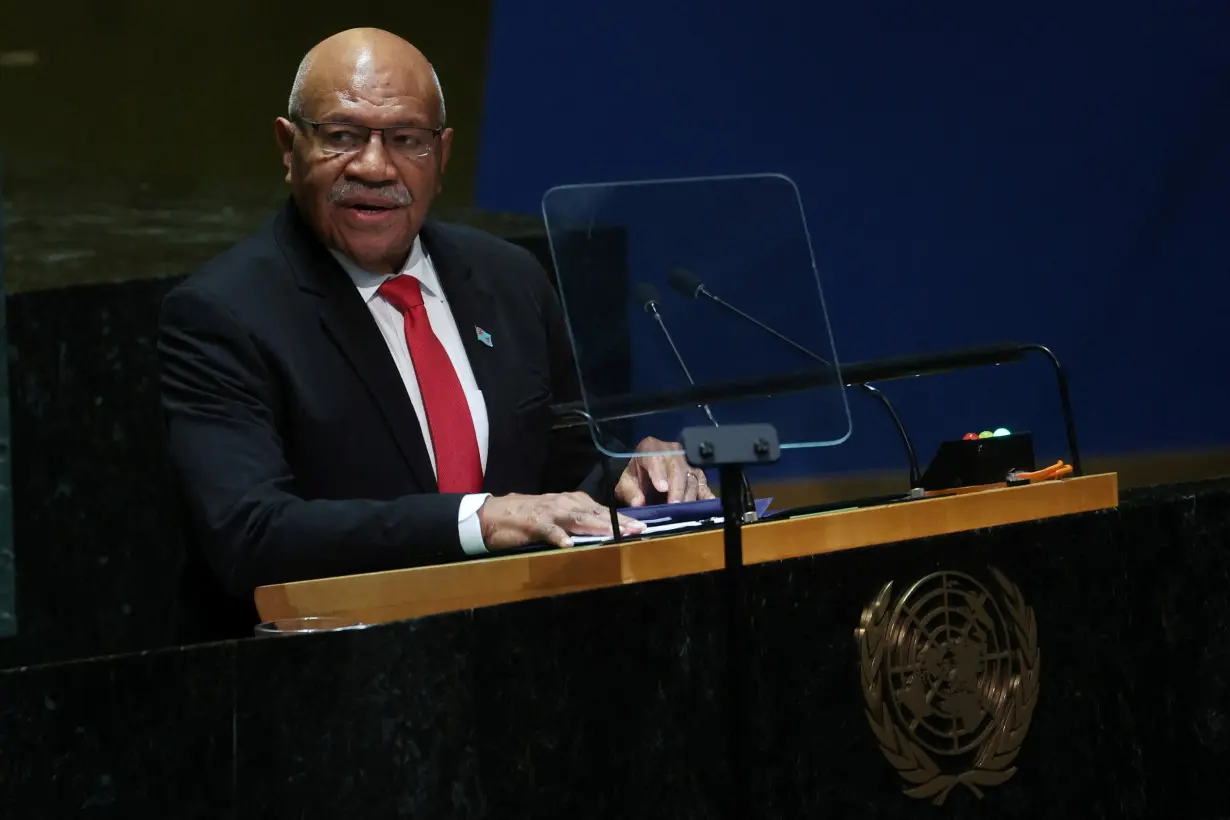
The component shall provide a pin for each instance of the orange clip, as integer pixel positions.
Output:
(1056, 470)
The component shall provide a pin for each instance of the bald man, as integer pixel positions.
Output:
(355, 388)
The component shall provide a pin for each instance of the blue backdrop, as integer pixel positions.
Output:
(971, 173)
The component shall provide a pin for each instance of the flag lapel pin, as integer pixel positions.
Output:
(483, 336)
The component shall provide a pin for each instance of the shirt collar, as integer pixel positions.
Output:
(418, 264)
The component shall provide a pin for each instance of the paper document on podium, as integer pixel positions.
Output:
(661, 518)
(686, 511)
(651, 529)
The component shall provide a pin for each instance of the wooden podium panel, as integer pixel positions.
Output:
(407, 593)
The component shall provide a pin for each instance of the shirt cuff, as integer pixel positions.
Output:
(469, 530)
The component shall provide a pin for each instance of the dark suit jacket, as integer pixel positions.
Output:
(298, 447)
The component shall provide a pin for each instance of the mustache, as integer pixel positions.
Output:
(349, 190)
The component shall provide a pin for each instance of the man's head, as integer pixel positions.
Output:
(366, 193)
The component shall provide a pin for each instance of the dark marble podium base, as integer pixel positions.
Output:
(608, 703)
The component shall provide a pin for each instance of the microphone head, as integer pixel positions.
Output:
(685, 282)
(645, 295)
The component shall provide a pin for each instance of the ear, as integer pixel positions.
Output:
(446, 151)
(284, 132)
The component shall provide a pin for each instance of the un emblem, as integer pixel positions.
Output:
(950, 676)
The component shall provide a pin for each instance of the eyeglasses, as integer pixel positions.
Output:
(338, 138)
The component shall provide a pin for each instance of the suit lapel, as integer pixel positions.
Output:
(349, 323)
(475, 309)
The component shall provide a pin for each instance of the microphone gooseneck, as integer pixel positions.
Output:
(646, 295)
(690, 285)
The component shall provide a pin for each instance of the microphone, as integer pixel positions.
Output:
(646, 295)
(690, 285)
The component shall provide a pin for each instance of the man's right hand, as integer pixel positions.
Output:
(516, 520)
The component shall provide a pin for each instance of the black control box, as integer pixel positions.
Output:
(972, 462)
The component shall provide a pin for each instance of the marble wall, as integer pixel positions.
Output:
(182, 99)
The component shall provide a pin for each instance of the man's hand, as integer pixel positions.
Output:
(516, 520)
(657, 479)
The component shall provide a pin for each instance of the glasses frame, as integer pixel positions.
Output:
(315, 131)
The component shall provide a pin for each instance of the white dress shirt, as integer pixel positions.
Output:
(393, 328)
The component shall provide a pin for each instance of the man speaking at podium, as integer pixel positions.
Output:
(354, 388)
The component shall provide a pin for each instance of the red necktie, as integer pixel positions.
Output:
(459, 467)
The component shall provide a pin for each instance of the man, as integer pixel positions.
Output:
(354, 388)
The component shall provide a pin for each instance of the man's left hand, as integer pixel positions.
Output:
(661, 478)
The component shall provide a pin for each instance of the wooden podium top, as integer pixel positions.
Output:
(407, 593)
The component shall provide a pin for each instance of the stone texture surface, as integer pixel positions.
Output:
(611, 703)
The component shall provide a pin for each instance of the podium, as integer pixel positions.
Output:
(605, 703)
(617, 653)
(409, 593)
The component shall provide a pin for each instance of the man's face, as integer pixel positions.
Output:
(369, 199)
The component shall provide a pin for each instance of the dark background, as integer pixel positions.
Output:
(156, 93)
(972, 172)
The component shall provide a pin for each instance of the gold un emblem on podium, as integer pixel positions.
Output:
(949, 672)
